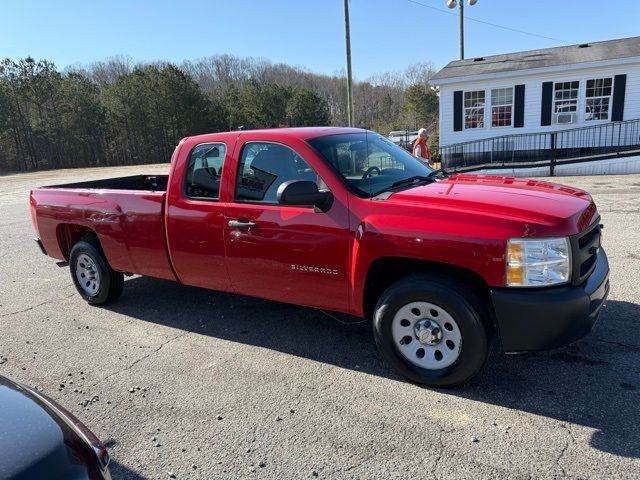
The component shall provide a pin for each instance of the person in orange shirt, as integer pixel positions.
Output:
(420, 147)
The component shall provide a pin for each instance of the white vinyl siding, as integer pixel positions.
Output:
(533, 98)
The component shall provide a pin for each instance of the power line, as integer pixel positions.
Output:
(442, 10)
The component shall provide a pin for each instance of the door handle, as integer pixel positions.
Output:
(241, 224)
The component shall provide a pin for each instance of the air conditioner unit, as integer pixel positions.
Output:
(564, 118)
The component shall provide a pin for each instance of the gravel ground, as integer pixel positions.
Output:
(198, 384)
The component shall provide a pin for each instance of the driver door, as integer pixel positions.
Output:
(287, 253)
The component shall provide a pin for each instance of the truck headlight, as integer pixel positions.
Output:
(535, 262)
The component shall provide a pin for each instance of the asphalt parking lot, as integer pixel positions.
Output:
(198, 384)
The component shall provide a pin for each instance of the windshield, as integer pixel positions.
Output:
(369, 163)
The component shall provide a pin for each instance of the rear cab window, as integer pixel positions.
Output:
(204, 171)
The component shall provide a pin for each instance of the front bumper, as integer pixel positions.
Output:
(539, 319)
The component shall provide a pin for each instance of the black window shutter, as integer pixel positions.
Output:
(619, 87)
(457, 111)
(547, 100)
(518, 107)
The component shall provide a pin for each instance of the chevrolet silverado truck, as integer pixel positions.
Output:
(344, 220)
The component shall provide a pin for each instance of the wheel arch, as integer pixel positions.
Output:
(385, 271)
(68, 234)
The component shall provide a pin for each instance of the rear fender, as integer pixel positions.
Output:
(68, 235)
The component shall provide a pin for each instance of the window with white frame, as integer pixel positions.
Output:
(501, 107)
(565, 97)
(598, 99)
(474, 109)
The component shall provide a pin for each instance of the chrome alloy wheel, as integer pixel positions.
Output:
(87, 274)
(426, 335)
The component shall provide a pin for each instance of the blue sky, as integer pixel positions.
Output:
(386, 34)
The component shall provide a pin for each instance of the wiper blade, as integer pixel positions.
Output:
(416, 179)
(437, 172)
(411, 180)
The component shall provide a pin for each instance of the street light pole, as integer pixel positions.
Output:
(350, 114)
(453, 4)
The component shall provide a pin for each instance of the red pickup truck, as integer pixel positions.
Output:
(344, 220)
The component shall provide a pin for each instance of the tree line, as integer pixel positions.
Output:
(119, 113)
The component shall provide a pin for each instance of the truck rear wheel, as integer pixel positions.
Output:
(94, 279)
(430, 329)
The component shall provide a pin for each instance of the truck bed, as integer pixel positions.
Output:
(152, 183)
(126, 213)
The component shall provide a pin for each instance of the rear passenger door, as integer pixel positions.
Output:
(195, 217)
(287, 253)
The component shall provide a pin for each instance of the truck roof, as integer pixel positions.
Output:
(302, 133)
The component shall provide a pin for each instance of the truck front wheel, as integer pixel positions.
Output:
(94, 279)
(430, 328)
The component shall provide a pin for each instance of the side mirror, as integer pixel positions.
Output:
(304, 192)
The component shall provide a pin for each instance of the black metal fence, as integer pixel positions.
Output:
(593, 142)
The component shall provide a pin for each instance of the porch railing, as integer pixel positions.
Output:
(593, 142)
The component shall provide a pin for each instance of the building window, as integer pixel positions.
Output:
(474, 109)
(501, 107)
(598, 99)
(565, 97)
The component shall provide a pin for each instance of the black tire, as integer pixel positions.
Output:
(111, 282)
(458, 301)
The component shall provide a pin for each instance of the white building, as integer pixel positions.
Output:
(550, 95)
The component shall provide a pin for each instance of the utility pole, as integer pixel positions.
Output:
(350, 114)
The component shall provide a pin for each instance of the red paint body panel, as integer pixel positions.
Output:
(195, 227)
(263, 260)
(465, 221)
(298, 255)
(129, 225)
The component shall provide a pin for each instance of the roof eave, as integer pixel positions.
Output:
(533, 71)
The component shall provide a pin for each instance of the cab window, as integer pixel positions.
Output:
(264, 167)
(204, 171)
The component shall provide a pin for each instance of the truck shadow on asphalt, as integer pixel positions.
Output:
(594, 383)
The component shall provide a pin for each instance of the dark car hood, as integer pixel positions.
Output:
(35, 441)
(532, 201)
